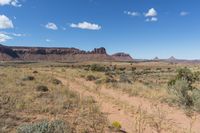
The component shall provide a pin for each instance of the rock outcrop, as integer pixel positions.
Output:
(122, 57)
(6, 53)
(99, 51)
(58, 54)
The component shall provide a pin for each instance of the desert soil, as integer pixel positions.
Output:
(134, 112)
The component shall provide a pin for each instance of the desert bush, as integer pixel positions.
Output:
(56, 126)
(91, 78)
(122, 69)
(110, 73)
(42, 88)
(182, 87)
(183, 91)
(35, 72)
(86, 68)
(97, 67)
(187, 75)
(133, 69)
(109, 80)
(158, 69)
(99, 81)
(116, 125)
(28, 78)
(124, 79)
(169, 68)
(56, 81)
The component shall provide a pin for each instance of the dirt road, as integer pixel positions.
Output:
(136, 115)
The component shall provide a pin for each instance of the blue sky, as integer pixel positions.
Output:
(143, 28)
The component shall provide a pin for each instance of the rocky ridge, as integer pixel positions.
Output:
(58, 54)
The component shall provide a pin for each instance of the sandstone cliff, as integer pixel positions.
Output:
(57, 54)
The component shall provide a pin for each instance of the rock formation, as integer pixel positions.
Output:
(122, 57)
(58, 54)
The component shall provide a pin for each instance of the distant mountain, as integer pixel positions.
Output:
(57, 54)
(156, 58)
(172, 58)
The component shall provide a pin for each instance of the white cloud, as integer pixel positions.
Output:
(18, 35)
(4, 38)
(183, 13)
(132, 13)
(10, 2)
(13, 34)
(151, 13)
(86, 26)
(51, 26)
(153, 19)
(5, 22)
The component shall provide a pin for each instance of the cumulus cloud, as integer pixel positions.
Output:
(132, 13)
(183, 13)
(86, 26)
(151, 13)
(51, 26)
(10, 2)
(4, 37)
(5, 22)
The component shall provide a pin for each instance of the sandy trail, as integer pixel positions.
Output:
(120, 107)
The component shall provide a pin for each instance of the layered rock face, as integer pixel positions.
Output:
(122, 57)
(6, 53)
(54, 54)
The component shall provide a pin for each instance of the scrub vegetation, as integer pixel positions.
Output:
(94, 97)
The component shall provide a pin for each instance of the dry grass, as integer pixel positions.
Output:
(21, 102)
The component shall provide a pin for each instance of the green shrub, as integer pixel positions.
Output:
(109, 80)
(42, 88)
(182, 90)
(124, 79)
(28, 78)
(98, 68)
(116, 125)
(35, 72)
(133, 69)
(158, 69)
(91, 78)
(110, 74)
(122, 69)
(99, 81)
(184, 74)
(182, 87)
(56, 126)
(56, 81)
